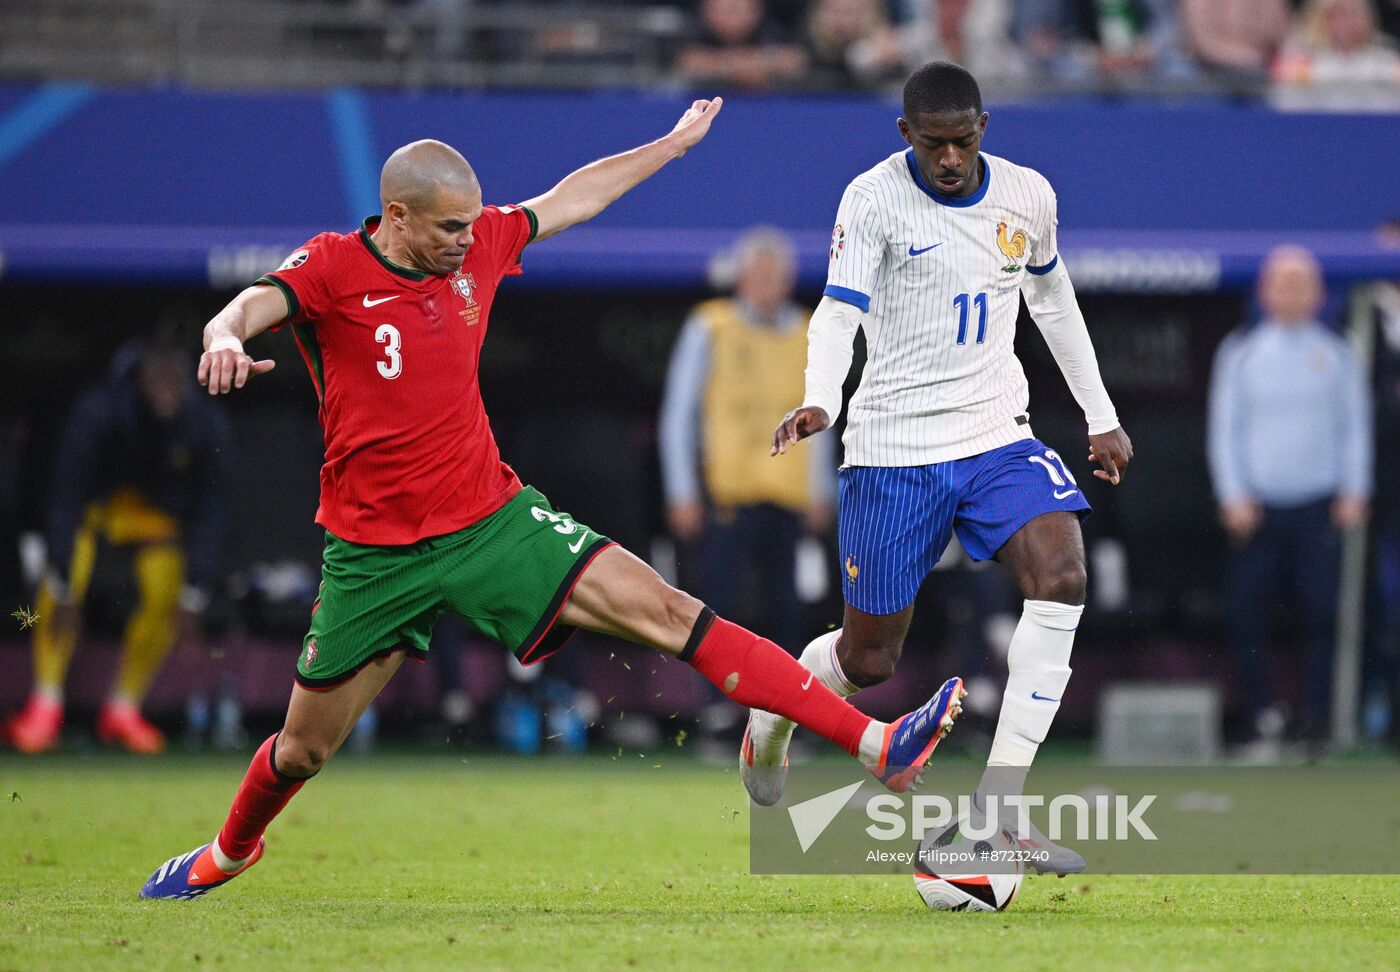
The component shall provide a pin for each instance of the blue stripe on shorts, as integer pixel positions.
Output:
(896, 520)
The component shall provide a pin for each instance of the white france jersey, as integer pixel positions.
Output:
(939, 279)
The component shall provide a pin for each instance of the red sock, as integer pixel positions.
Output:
(261, 797)
(753, 671)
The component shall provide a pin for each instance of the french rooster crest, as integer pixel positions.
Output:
(1013, 247)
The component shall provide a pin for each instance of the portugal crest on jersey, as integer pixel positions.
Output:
(464, 285)
(1012, 246)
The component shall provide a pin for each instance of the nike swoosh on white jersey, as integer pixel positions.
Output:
(925, 398)
(381, 300)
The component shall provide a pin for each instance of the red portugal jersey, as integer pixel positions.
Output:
(394, 355)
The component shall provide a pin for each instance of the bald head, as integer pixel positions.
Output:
(415, 174)
(1291, 288)
(431, 199)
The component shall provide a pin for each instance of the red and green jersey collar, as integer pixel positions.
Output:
(367, 228)
(371, 223)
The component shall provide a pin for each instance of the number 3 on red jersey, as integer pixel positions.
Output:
(388, 335)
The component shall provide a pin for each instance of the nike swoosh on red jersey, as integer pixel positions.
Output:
(371, 303)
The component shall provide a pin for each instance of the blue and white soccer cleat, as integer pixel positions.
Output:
(193, 874)
(911, 739)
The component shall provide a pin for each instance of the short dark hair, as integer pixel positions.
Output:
(941, 86)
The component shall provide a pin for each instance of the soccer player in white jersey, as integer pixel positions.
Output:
(932, 252)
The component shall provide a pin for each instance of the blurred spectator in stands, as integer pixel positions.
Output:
(1051, 40)
(973, 33)
(1137, 38)
(450, 41)
(1079, 41)
(851, 44)
(736, 43)
(605, 34)
(1290, 449)
(1236, 40)
(1338, 58)
(144, 467)
(737, 367)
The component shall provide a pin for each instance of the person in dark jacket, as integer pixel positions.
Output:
(144, 466)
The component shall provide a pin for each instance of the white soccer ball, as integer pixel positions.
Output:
(955, 873)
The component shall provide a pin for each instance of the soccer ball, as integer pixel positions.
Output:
(961, 884)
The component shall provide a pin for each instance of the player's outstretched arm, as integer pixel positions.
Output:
(1051, 301)
(588, 191)
(224, 365)
(830, 336)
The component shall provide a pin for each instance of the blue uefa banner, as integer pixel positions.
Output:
(196, 187)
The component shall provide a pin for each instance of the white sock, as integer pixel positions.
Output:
(770, 733)
(872, 743)
(223, 862)
(1039, 671)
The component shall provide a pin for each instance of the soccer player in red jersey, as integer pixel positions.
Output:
(421, 514)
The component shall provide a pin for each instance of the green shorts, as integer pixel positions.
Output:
(507, 575)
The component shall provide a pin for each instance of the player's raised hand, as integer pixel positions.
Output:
(1113, 451)
(796, 426)
(695, 123)
(225, 367)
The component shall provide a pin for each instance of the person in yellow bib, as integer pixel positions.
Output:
(143, 468)
(737, 358)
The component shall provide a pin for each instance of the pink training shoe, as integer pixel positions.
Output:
(121, 724)
(36, 728)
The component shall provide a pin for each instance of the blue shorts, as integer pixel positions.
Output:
(897, 520)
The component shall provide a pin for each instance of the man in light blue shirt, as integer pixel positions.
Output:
(1290, 450)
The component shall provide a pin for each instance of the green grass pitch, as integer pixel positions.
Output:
(423, 861)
